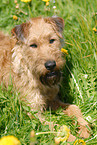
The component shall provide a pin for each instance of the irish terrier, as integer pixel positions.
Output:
(34, 60)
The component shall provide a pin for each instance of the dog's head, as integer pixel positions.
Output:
(41, 47)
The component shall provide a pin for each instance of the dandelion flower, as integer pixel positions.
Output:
(15, 17)
(79, 142)
(63, 134)
(25, 1)
(57, 140)
(64, 50)
(94, 29)
(32, 133)
(9, 140)
(47, 2)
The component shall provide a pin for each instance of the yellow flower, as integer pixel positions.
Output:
(64, 50)
(25, 1)
(57, 140)
(63, 134)
(94, 29)
(32, 133)
(15, 17)
(79, 142)
(47, 2)
(9, 140)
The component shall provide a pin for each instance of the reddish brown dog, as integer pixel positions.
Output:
(34, 60)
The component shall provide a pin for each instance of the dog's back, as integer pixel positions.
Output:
(6, 44)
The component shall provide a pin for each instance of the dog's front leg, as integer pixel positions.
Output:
(73, 110)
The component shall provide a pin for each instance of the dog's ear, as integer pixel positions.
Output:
(57, 24)
(20, 32)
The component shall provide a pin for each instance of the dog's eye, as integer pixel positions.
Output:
(33, 45)
(52, 41)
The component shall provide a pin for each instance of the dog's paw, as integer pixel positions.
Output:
(83, 132)
(73, 110)
(83, 129)
(71, 138)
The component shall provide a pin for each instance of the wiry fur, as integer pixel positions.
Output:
(25, 64)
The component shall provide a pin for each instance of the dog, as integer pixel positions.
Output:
(33, 58)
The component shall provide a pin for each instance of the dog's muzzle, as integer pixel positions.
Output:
(52, 77)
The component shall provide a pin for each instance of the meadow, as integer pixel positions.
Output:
(79, 84)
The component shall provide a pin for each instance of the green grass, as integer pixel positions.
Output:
(79, 84)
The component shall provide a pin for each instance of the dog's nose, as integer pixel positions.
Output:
(50, 65)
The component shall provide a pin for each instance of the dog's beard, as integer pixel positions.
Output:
(51, 78)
